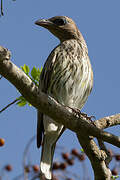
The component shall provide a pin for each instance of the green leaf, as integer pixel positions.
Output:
(35, 76)
(41, 69)
(29, 104)
(22, 101)
(38, 74)
(20, 98)
(81, 150)
(26, 69)
(115, 177)
(34, 73)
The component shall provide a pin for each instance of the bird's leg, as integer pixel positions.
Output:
(79, 113)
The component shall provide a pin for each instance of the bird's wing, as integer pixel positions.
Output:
(43, 86)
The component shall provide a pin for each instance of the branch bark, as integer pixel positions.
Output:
(62, 114)
(97, 157)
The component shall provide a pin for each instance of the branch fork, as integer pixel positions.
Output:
(83, 128)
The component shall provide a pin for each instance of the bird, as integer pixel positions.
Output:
(67, 77)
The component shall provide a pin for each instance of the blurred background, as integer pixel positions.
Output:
(98, 21)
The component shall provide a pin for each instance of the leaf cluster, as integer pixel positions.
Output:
(34, 75)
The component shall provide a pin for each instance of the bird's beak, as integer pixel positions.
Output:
(43, 22)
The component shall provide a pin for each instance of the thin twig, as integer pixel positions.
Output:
(18, 177)
(36, 177)
(73, 174)
(9, 105)
(27, 149)
(2, 14)
(25, 155)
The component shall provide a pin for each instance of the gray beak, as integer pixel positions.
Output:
(43, 22)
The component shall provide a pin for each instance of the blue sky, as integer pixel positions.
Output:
(99, 23)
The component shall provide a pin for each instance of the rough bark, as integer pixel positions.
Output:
(65, 115)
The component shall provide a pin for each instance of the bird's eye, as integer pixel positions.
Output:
(60, 22)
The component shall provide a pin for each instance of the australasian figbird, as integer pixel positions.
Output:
(67, 76)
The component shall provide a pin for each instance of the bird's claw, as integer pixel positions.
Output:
(79, 113)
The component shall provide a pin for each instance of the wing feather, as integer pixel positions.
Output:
(43, 86)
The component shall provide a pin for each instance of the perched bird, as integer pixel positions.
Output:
(67, 77)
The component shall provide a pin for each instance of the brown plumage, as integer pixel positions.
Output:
(67, 76)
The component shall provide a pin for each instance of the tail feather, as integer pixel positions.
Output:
(47, 157)
(51, 134)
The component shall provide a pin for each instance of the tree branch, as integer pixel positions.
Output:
(66, 116)
(96, 156)
(47, 104)
(108, 121)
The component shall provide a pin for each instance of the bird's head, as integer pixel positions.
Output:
(62, 27)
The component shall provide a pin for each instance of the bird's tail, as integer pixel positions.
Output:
(47, 157)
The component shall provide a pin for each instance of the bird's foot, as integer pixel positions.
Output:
(79, 113)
